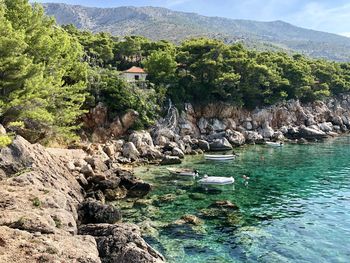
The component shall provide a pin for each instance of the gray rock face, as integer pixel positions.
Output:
(220, 145)
(121, 243)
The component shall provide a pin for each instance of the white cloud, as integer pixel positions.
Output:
(345, 34)
(318, 16)
(171, 3)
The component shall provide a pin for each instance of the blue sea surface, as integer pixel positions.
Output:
(295, 207)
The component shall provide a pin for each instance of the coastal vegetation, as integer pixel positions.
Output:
(51, 75)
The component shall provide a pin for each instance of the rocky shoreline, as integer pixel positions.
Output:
(218, 127)
(51, 214)
(56, 204)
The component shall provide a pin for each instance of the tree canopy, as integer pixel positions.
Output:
(49, 75)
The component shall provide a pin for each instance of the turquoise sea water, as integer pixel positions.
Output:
(294, 208)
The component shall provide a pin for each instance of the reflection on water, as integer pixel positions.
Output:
(293, 208)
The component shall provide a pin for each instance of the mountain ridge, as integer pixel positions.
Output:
(161, 23)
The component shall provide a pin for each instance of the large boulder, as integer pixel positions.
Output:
(267, 131)
(326, 126)
(134, 186)
(151, 153)
(252, 136)
(234, 137)
(141, 139)
(168, 160)
(121, 243)
(218, 125)
(130, 151)
(309, 133)
(178, 152)
(91, 211)
(203, 145)
(220, 145)
(203, 125)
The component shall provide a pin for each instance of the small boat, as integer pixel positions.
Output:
(274, 144)
(183, 172)
(215, 180)
(217, 157)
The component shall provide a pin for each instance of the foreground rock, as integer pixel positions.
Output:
(39, 201)
(25, 247)
(121, 243)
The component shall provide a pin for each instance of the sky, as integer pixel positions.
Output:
(324, 15)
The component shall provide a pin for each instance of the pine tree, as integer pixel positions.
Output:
(42, 80)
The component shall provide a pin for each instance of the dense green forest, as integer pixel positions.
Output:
(50, 75)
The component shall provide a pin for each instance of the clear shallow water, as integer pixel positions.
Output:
(294, 208)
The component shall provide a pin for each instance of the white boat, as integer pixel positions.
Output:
(275, 144)
(217, 157)
(182, 172)
(215, 180)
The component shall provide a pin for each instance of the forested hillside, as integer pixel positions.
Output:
(50, 74)
(160, 23)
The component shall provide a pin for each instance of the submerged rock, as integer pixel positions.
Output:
(191, 219)
(225, 204)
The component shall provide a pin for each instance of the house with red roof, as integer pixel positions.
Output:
(134, 74)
